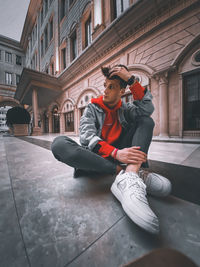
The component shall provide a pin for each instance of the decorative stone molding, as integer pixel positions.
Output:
(196, 58)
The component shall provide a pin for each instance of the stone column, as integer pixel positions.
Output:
(36, 129)
(62, 123)
(76, 120)
(50, 122)
(163, 105)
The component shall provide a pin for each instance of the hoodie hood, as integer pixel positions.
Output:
(99, 102)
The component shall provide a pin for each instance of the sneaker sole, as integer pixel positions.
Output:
(153, 228)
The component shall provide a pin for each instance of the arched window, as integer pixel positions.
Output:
(68, 110)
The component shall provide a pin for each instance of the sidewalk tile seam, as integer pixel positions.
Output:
(96, 240)
(15, 205)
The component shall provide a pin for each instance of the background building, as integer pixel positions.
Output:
(66, 42)
(11, 64)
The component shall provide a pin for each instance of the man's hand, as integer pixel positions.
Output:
(121, 72)
(131, 155)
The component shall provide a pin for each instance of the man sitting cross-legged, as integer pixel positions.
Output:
(115, 138)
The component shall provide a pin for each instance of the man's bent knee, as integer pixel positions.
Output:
(147, 121)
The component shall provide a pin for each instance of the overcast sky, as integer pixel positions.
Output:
(12, 17)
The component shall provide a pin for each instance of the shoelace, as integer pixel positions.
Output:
(143, 175)
(137, 185)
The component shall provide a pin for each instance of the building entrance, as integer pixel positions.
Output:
(46, 123)
(55, 120)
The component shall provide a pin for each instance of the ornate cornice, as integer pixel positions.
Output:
(133, 25)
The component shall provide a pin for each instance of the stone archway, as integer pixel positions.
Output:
(5, 104)
(83, 100)
(85, 97)
(68, 116)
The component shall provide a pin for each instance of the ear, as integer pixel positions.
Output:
(122, 91)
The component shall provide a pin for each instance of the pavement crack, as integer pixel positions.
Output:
(83, 251)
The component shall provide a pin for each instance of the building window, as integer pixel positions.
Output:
(18, 60)
(51, 29)
(197, 56)
(46, 38)
(82, 111)
(69, 121)
(63, 58)
(35, 61)
(45, 6)
(73, 42)
(42, 47)
(192, 101)
(41, 15)
(8, 57)
(118, 7)
(17, 79)
(88, 32)
(71, 2)
(34, 34)
(52, 69)
(97, 13)
(62, 9)
(8, 78)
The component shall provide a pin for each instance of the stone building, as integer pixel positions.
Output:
(66, 42)
(12, 61)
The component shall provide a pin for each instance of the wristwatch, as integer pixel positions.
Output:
(131, 80)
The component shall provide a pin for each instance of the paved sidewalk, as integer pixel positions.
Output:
(49, 219)
(186, 154)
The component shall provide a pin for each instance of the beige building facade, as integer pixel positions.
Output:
(66, 43)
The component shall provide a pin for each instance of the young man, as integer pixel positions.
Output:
(115, 138)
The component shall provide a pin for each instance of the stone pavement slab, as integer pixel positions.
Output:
(12, 250)
(59, 216)
(77, 222)
(185, 154)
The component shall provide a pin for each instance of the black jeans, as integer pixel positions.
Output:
(69, 152)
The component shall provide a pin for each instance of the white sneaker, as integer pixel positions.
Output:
(157, 185)
(130, 190)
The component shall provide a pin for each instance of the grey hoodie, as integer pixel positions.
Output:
(92, 120)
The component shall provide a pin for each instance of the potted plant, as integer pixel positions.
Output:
(18, 119)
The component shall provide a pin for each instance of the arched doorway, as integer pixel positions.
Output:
(68, 113)
(85, 98)
(55, 120)
(5, 105)
(46, 122)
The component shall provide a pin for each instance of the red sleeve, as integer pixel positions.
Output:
(105, 150)
(137, 91)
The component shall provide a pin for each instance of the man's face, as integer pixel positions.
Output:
(112, 92)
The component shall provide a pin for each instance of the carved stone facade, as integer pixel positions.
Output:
(157, 40)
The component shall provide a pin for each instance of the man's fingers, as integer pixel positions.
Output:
(113, 73)
(136, 149)
(138, 152)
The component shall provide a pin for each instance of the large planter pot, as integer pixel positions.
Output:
(20, 129)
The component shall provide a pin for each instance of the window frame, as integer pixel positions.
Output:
(186, 76)
(8, 81)
(62, 46)
(17, 78)
(9, 57)
(51, 28)
(18, 62)
(87, 14)
(62, 12)
(46, 38)
(73, 52)
(42, 46)
(72, 126)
